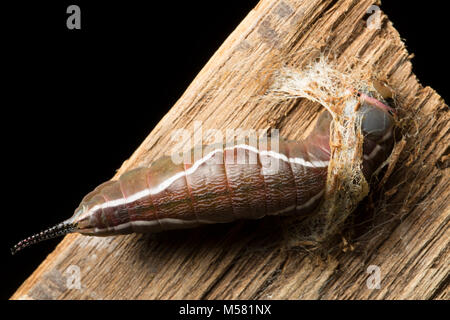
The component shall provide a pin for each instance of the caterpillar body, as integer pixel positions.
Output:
(170, 196)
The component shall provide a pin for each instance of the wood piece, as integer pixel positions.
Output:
(407, 238)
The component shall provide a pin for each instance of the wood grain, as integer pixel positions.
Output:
(403, 228)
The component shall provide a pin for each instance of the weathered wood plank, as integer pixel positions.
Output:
(407, 236)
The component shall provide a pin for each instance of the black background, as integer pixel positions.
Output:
(77, 103)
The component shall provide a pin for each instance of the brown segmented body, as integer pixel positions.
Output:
(223, 185)
(220, 187)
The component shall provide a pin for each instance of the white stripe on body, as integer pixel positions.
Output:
(168, 182)
(305, 205)
(373, 153)
(149, 223)
(378, 147)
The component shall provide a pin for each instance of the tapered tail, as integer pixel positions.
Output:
(60, 229)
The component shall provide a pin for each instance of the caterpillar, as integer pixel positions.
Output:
(168, 196)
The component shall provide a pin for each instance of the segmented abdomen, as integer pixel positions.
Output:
(226, 184)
